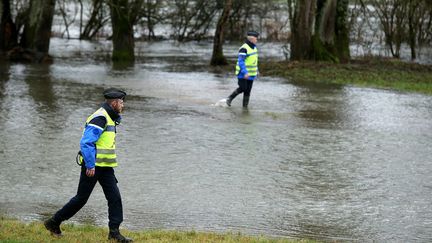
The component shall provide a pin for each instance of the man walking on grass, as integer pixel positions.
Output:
(97, 158)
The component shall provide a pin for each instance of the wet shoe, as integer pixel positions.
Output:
(228, 102)
(245, 101)
(231, 97)
(53, 227)
(116, 236)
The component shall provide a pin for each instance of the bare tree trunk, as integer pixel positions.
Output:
(37, 30)
(304, 15)
(342, 31)
(291, 5)
(1, 28)
(320, 31)
(21, 17)
(427, 38)
(400, 20)
(8, 31)
(413, 21)
(323, 40)
(331, 39)
(81, 16)
(218, 56)
(122, 27)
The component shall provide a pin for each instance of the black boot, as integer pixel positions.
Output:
(228, 101)
(53, 227)
(114, 234)
(245, 101)
(231, 97)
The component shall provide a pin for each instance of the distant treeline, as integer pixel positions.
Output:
(315, 29)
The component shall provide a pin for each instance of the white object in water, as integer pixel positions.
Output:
(221, 103)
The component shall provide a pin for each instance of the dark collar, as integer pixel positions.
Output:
(252, 45)
(111, 112)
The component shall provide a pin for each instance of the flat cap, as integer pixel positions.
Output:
(113, 93)
(253, 33)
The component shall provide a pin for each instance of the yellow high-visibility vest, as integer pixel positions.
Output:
(105, 145)
(251, 60)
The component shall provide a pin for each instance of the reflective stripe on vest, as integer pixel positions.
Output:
(251, 60)
(105, 145)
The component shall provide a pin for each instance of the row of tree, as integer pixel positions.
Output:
(28, 37)
(401, 21)
(186, 19)
(315, 29)
(324, 29)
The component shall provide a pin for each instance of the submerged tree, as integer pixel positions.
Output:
(123, 17)
(37, 17)
(37, 30)
(218, 57)
(8, 31)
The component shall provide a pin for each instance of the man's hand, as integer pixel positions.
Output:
(90, 172)
(246, 76)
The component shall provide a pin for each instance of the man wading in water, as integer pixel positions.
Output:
(246, 68)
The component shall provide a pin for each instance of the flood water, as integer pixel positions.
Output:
(317, 161)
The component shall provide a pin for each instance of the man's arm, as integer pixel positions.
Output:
(91, 134)
(241, 61)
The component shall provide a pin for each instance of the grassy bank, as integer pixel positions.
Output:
(374, 72)
(15, 231)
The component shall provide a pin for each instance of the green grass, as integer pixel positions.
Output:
(375, 73)
(15, 231)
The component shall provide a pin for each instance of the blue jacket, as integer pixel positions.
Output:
(92, 131)
(241, 61)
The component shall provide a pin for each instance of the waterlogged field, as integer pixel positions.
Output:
(308, 160)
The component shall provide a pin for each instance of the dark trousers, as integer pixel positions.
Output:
(245, 86)
(106, 178)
